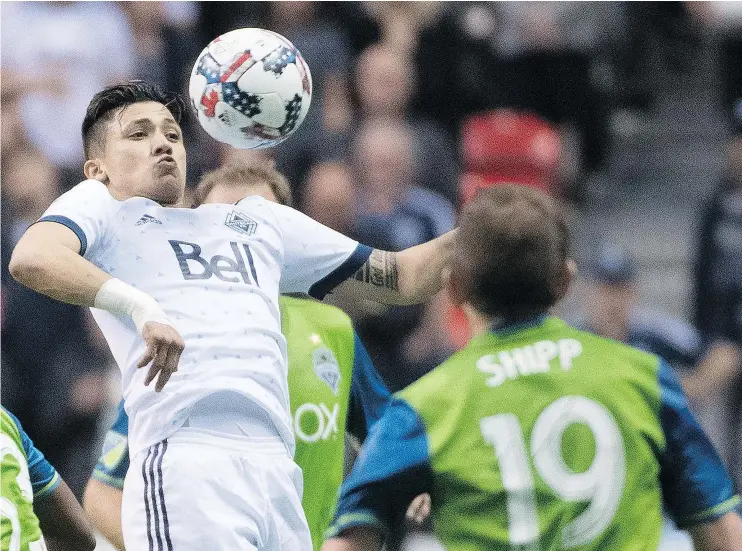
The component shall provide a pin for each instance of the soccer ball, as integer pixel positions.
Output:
(251, 88)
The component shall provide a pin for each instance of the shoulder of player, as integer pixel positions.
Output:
(616, 349)
(96, 189)
(89, 195)
(439, 381)
(10, 424)
(323, 315)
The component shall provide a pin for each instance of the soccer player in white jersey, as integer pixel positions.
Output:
(192, 293)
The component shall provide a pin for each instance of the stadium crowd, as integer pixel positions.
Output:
(415, 106)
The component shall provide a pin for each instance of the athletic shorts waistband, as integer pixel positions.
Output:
(265, 445)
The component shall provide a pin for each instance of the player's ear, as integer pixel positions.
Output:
(94, 170)
(570, 273)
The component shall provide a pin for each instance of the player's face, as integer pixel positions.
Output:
(232, 193)
(144, 155)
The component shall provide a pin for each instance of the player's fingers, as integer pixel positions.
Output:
(171, 366)
(173, 355)
(157, 363)
(162, 379)
(148, 355)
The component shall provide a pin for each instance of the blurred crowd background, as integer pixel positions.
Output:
(631, 112)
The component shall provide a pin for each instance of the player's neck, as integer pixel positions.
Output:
(480, 323)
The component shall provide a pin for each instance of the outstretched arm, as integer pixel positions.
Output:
(355, 539)
(723, 534)
(62, 520)
(407, 277)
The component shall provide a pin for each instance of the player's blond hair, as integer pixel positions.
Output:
(241, 173)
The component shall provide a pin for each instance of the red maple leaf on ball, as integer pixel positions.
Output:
(209, 102)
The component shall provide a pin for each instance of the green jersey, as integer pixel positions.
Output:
(541, 437)
(333, 387)
(24, 474)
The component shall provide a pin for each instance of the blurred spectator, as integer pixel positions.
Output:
(718, 269)
(12, 132)
(664, 33)
(719, 257)
(707, 367)
(394, 214)
(56, 55)
(329, 196)
(323, 134)
(51, 379)
(384, 82)
(536, 56)
(400, 23)
(166, 41)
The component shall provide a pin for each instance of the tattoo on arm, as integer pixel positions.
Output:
(380, 270)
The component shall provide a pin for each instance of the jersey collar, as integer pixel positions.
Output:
(504, 327)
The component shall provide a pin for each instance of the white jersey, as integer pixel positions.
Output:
(215, 272)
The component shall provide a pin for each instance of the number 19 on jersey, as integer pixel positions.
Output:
(601, 484)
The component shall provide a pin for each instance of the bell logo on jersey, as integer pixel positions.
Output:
(326, 368)
(240, 223)
(314, 422)
(219, 265)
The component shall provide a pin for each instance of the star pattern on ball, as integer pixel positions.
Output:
(209, 68)
(278, 59)
(244, 102)
(292, 115)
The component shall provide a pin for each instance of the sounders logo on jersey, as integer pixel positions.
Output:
(194, 266)
(326, 368)
(241, 223)
(314, 422)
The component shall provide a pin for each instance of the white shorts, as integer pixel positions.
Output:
(205, 491)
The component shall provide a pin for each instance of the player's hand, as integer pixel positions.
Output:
(164, 347)
(419, 509)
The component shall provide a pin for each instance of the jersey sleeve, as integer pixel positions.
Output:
(392, 469)
(696, 486)
(316, 258)
(369, 396)
(114, 460)
(44, 477)
(87, 209)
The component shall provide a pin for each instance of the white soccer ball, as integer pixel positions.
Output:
(251, 88)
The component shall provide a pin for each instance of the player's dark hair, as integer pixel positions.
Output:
(108, 101)
(511, 252)
(255, 173)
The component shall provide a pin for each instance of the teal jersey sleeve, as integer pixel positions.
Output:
(696, 486)
(369, 396)
(44, 478)
(392, 469)
(114, 460)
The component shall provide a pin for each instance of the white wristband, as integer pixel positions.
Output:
(117, 297)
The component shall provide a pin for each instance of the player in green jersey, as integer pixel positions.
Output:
(34, 498)
(536, 436)
(333, 387)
